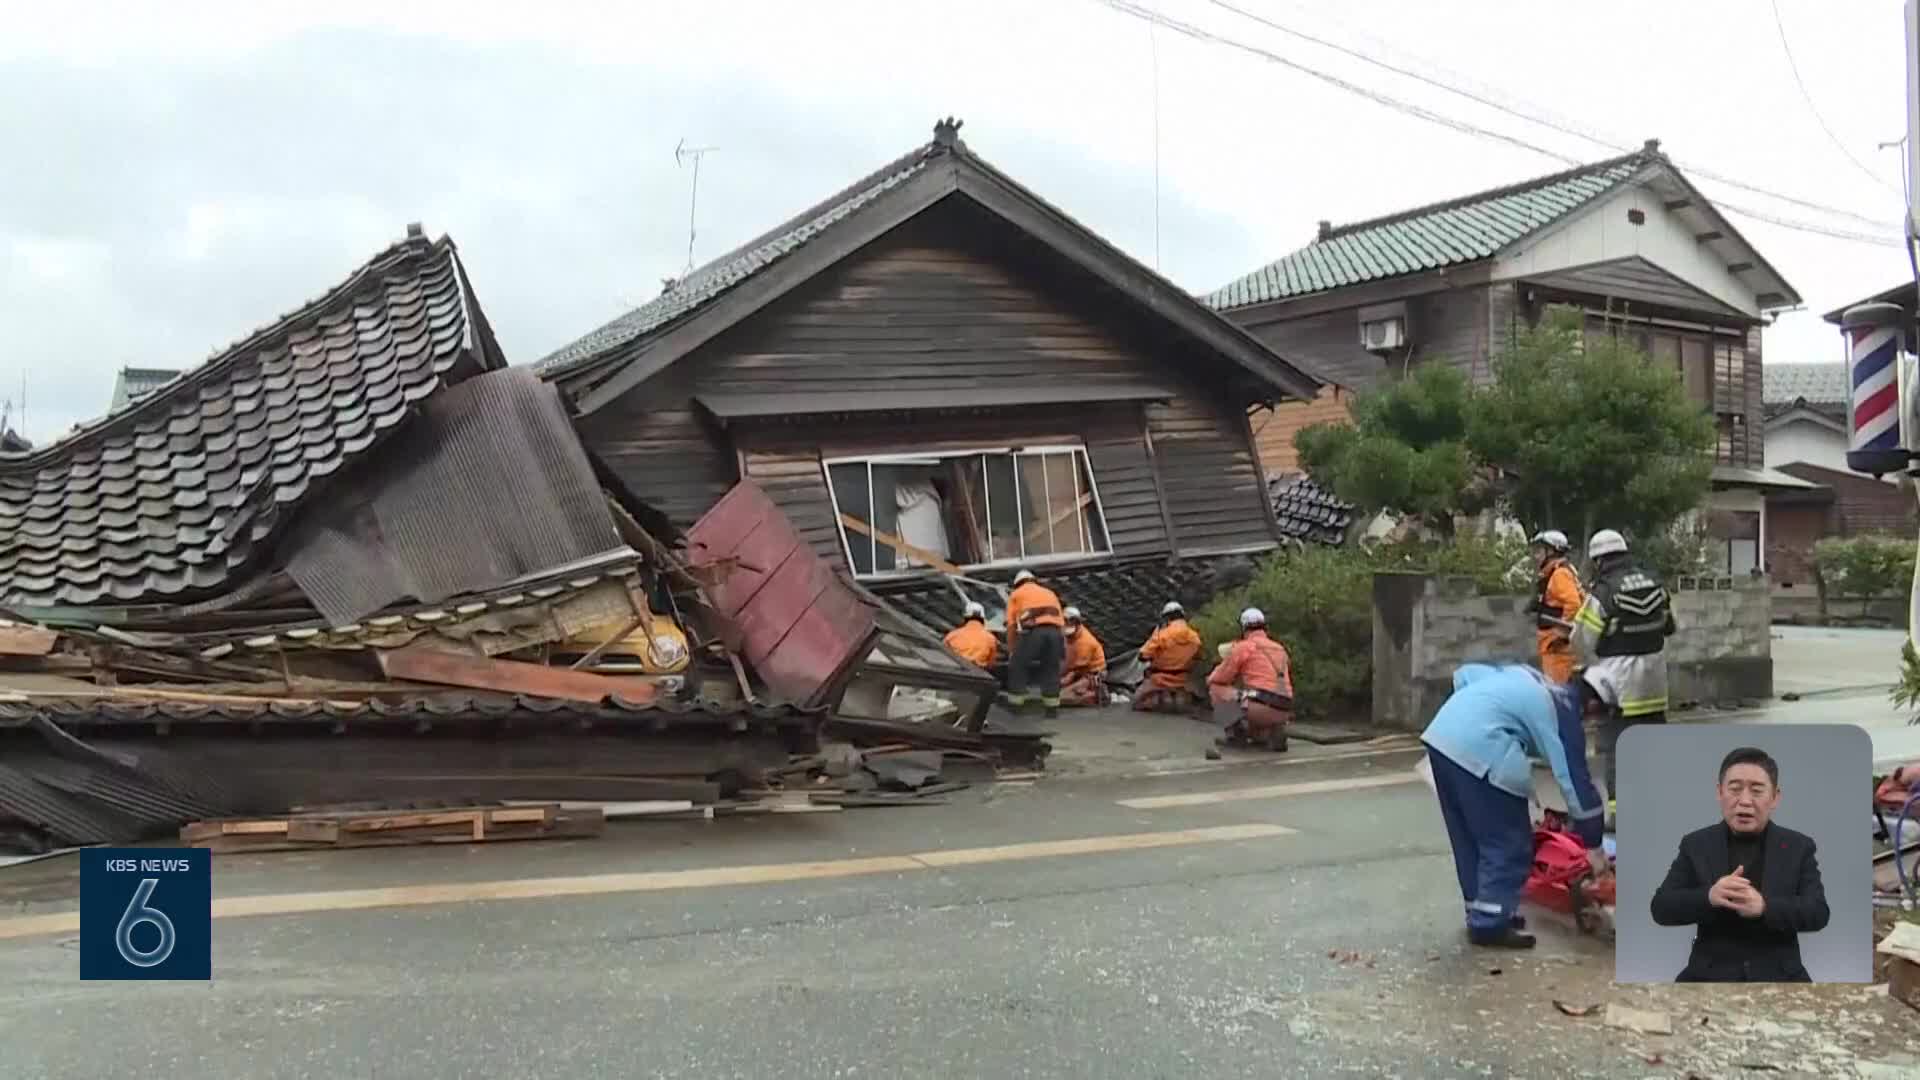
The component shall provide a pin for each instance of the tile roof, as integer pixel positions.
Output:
(134, 383)
(176, 496)
(1306, 511)
(712, 280)
(1448, 233)
(1817, 384)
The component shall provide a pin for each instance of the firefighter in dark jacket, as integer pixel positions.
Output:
(1621, 634)
(1556, 599)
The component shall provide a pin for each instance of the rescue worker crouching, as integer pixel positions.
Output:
(1621, 635)
(1556, 599)
(1036, 646)
(1259, 674)
(1083, 680)
(971, 639)
(1480, 747)
(1169, 655)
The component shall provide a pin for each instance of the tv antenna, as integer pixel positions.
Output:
(681, 153)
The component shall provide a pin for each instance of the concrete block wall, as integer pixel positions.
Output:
(1425, 627)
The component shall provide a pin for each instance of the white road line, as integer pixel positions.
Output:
(228, 907)
(1269, 791)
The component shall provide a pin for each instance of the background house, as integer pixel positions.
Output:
(1629, 240)
(936, 368)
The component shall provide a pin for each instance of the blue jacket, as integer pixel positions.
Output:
(1499, 718)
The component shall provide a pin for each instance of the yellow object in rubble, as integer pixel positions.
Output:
(656, 647)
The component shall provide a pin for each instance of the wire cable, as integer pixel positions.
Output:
(1807, 97)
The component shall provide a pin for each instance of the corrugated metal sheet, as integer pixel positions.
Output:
(801, 627)
(490, 484)
(1444, 234)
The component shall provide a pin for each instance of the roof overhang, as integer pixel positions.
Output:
(1733, 476)
(1903, 294)
(1645, 287)
(729, 406)
(1801, 413)
(1715, 233)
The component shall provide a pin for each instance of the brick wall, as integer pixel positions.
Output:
(1426, 627)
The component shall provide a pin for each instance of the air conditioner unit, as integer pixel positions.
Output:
(1383, 335)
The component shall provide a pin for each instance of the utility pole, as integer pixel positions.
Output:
(681, 153)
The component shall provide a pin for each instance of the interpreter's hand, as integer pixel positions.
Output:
(1748, 901)
(1597, 861)
(1724, 890)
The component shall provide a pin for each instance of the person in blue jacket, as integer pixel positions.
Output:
(1480, 747)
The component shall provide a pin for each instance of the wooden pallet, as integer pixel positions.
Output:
(327, 830)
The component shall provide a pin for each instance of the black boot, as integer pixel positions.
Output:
(1504, 938)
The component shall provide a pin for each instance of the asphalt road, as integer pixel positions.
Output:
(1328, 944)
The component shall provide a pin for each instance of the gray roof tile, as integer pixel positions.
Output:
(1817, 384)
(181, 490)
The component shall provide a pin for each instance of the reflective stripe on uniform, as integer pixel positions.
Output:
(1484, 907)
(1643, 706)
(1590, 619)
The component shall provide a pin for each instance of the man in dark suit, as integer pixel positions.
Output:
(1750, 886)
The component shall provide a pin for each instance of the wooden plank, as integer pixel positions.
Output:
(508, 676)
(22, 640)
(899, 545)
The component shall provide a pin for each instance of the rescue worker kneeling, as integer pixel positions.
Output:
(1169, 655)
(1480, 747)
(1257, 672)
(971, 639)
(1083, 681)
(1035, 644)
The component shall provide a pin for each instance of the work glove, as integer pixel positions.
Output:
(1597, 861)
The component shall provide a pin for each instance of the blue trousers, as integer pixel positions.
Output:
(1492, 840)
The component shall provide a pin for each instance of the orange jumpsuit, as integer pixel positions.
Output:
(972, 640)
(1036, 648)
(1080, 679)
(1169, 655)
(1031, 605)
(1256, 662)
(1558, 598)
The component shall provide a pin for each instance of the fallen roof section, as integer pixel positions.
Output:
(624, 352)
(178, 496)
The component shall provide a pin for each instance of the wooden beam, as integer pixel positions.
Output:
(1709, 235)
(1739, 267)
(507, 676)
(899, 545)
(1678, 204)
(20, 640)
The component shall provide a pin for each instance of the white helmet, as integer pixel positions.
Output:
(974, 610)
(1172, 607)
(1252, 617)
(1072, 614)
(1606, 542)
(1552, 538)
(1022, 576)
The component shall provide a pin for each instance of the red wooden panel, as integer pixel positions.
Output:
(802, 627)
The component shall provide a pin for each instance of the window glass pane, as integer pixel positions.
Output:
(1696, 367)
(965, 479)
(1743, 557)
(1048, 499)
(850, 492)
(1090, 517)
(916, 512)
(1666, 351)
(1003, 509)
(886, 518)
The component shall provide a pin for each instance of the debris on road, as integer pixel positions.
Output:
(1644, 1021)
(1575, 1010)
(354, 828)
(1901, 948)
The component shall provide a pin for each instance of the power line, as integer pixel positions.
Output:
(1134, 10)
(1814, 109)
(1533, 117)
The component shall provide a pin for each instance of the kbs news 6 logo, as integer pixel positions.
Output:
(146, 913)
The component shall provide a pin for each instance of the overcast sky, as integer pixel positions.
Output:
(176, 175)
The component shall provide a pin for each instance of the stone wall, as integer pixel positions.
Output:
(1425, 627)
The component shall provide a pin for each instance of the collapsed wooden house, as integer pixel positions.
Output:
(935, 369)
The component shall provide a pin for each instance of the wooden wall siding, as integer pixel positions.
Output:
(920, 318)
(1129, 495)
(660, 446)
(1214, 493)
(1273, 432)
(1503, 321)
(1450, 327)
(795, 483)
(1328, 343)
(1755, 406)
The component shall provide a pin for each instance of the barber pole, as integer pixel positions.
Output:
(1874, 333)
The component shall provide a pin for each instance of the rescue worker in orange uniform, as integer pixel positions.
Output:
(1556, 600)
(971, 639)
(1036, 646)
(1169, 655)
(1259, 674)
(1084, 679)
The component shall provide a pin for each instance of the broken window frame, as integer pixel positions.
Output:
(1083, 466)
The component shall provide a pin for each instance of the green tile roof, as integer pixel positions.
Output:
(1447, 233)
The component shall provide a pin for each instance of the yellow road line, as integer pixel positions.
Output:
(1268, 791)
(664, 880)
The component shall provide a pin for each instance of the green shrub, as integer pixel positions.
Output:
(1864, 567)
(1319, 604)
(1906, 693)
